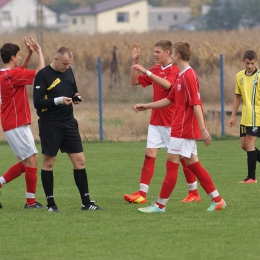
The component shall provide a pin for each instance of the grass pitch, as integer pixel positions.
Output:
(120, 232)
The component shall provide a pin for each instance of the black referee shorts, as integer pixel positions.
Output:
(60, 135)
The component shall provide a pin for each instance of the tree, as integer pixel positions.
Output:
(251, 13)
(224, 14)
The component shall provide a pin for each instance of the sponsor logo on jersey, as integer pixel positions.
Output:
(54, 83)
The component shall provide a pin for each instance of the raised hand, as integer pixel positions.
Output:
(32, 42)
(136, 50)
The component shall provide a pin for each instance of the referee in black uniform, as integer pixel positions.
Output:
(54, 92)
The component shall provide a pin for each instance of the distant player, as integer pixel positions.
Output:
(161, 77)
(247, 88)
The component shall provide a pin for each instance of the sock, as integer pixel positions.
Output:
(81, 180)
(146, 175)
(257, 154)
(31, 183)
(190, 178)
(205, 180)
(12, 173)
(168, 183)
(251, 164)
(48, 183)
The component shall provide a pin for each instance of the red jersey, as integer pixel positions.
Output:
(185, 94)
(15, 109)
(161, 116)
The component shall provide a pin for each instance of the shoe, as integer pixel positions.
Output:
(91, 206)
(191, 197)
(217, 205)
(0, 202)
(136, 197)
(248, 180)
(35, 205)
(52, 208)
(151, 209)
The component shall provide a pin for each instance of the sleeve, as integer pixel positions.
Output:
(171, 95)
(19, 76)
(238, 90)
(39, 92)
(144, 80)
(75, 88)
(192, 83)
(171, 77)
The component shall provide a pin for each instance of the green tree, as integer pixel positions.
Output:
(224, 14)
(250, 13)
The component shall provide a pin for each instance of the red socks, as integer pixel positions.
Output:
(190, 178)
(147, 173)
(31, 183)
(168, 183)
(205, 181)
(13, 172)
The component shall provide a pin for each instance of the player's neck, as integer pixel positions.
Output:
(183, 65)
(166, 63)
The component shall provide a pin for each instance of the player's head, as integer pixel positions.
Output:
(62, 59)
(10, 51)
(181, 50)
(250, 59)
(162, 51)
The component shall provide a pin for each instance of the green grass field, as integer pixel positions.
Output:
(184, 231)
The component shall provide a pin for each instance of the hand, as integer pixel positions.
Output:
(32, 43)
(76, 100)
(231, 122)
(206, 137)
(136, 50)
(140, 107)
(67, 101)
(139, 67)
(27, 44)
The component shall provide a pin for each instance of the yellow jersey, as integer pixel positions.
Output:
(248, 86)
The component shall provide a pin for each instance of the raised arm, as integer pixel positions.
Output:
(136, 50)
(26, 62)
(37, 48)
(204, 132)
(236, 104)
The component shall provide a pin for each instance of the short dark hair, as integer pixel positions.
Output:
(250, 54)
(8, 50)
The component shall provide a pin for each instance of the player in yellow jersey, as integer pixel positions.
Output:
(248, 89)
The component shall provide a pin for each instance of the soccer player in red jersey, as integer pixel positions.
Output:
(161, 77)
(16, 115)
(187, 126)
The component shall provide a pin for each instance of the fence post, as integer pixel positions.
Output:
(100, 100)
(222, 96)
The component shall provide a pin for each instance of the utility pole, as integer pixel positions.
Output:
(39, 17)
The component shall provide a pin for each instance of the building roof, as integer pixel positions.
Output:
(102, 7)
(3, 2)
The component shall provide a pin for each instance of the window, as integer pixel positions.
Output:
(175, 17)
(159, 17)
(122, 17)
(6, 16)
(83, 20)
(74, 21)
